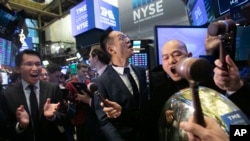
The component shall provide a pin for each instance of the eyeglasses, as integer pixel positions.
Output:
(123, 37)
(30, 64)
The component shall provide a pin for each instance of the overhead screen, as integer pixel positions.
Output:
(193, 36)
(242, 42)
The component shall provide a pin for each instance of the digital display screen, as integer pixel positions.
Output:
(5, 51)
(193, 36)
(242, 42)
(139, 59)
(197, 12)
(225, 5)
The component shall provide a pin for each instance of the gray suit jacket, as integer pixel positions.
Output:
(14, 96)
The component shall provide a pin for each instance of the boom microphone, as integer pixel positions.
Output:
(93, 88)
(221, 27)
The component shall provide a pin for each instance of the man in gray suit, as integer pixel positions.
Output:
(114, 85)
(33, 107)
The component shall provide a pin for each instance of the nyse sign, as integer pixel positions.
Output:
(149, 11)
(82, 18)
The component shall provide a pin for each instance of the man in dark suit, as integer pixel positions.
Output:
(114, 85)
(33, 118)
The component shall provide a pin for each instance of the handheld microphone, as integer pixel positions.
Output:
(221, 27)
(93, 88)
(195, 70)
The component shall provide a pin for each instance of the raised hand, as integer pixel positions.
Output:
(229, 79)
(50, 109)
(22, 117)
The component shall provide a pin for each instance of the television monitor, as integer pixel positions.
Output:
(242, 42)
(224, 6)
(193, 36)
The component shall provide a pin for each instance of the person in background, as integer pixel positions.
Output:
(81, 101)
(55, 74)
(114, 84)
(34, 108)
(212, 131)
(15, 77)
(44, 75)
(98, 60)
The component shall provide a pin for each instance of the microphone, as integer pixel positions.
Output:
(195, 69)
(221, 27)
(93, 88)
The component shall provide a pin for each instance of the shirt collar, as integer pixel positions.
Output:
(120, 70)
(101, 70)
(26, 84)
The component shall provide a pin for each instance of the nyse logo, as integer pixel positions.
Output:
(107, 13)
(239, 132)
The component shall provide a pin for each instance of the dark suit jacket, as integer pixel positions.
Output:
(14, 96)
(111, 86)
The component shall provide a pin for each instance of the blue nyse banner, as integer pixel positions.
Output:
(91, 14)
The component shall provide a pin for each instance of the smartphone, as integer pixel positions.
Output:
(80, 86)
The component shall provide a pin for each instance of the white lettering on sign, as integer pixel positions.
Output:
(82, 25)
(107, 13)
(235, 116)
(81, 9)
(148, 11)
(240, 132)
(234, 2)
(198, 13)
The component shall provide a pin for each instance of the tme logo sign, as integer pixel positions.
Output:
(107, 13)
(147, 11)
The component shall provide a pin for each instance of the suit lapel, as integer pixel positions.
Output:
(22, 97)
(114, 76)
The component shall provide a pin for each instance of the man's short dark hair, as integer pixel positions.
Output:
(19, 57)
(52, 68)
(102, 55)
(105, 37)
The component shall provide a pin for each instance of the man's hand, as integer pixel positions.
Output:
(22, 117)
(114, 109)
(227, 80)
(50, 109)
(212, 131)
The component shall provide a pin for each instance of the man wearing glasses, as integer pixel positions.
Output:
(33, 107)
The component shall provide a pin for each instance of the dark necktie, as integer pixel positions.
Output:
(133, 84)
(33, 106)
